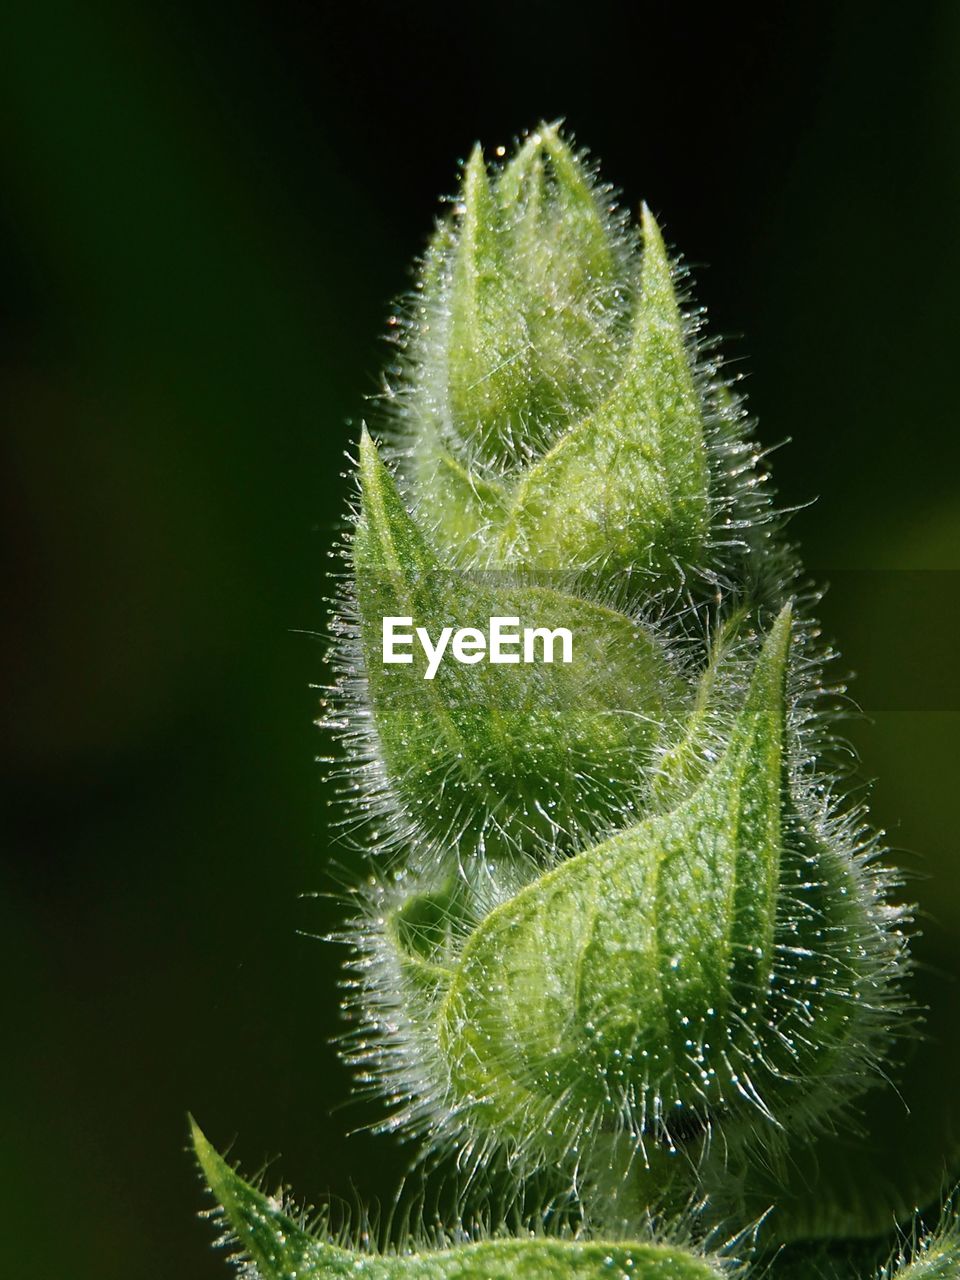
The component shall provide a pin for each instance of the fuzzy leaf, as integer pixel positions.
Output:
(717, 964)
(625, 973)
(534, 303)
(627, 488)
(685, 761)
(502, 754)
(421, 929)
(467, 509)
(281, 1249)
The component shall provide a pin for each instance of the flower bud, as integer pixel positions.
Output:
(555, 419)
(625, 919)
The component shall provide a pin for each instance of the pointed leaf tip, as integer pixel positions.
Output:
(270, 1238)
(369, 454)
(656, 278)
(533, 305)
(214, 1168)
(649, 224)
(279, 1247)
(771, 670)
(477, 215)
(198, 1139)
(389, 551)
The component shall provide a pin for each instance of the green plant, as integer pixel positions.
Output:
(625, 951)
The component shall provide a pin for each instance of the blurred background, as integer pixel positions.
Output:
(205, 210)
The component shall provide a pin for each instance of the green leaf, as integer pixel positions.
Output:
(277, 1245)
(535, 301)
(282, 1249)
(537, 754)
(467, 509)
(620, 980)
(685, 761)
(422, 928)
(626, 490)
(717, 965)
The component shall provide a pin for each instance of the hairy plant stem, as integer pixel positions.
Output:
(622, 942)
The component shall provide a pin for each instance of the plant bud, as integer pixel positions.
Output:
(534, 301)
(555, 419)
(624, 919)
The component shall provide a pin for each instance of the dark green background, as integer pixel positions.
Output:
(204, 212)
